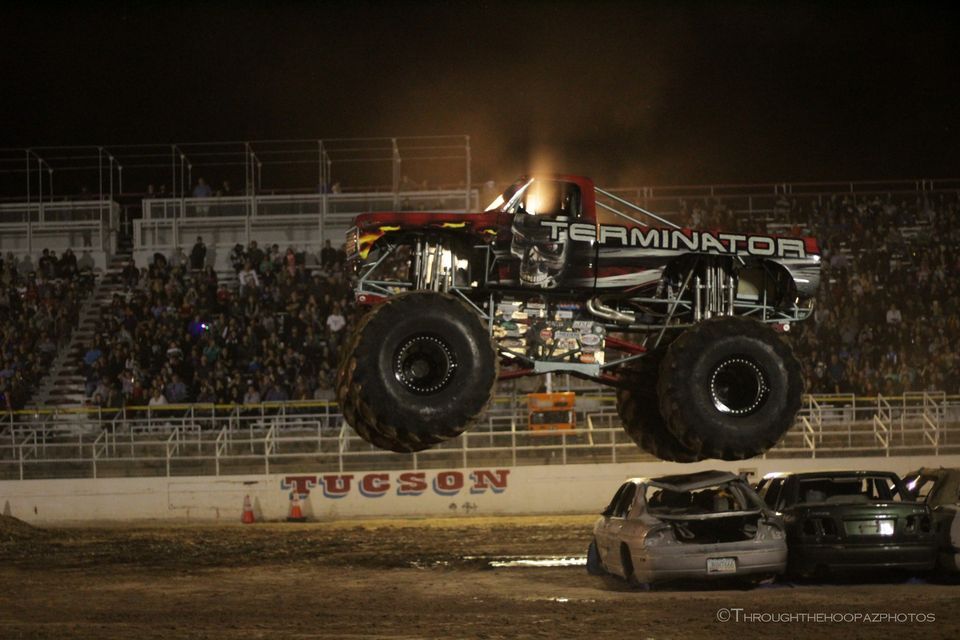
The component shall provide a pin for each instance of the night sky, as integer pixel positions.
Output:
(630, 93)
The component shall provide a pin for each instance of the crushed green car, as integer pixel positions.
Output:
(845, 521)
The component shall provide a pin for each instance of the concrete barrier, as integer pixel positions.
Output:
(483, 491)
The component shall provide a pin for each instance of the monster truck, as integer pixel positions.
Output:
(557, 275)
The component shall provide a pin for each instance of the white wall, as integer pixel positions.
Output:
(517, 490)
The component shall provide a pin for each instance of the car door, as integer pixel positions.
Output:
(617, 524)
(602, 530)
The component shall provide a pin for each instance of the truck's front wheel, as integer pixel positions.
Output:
(730, 388)
(419, 370)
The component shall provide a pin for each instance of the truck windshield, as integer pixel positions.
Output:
(540, 197)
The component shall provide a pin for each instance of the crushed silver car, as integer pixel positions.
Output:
(939, 488)
(709, 524)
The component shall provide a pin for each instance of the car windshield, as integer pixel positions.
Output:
(724, 498)
(849, 490)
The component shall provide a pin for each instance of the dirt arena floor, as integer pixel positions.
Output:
(437, 578)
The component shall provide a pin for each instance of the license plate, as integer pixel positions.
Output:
(883, 527)
(721, 565)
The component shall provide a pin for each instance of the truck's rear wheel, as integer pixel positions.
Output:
(729, 388)
(639, 411)
(418, 370)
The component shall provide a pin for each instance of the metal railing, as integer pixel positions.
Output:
(169, 224)
(809, 435)
(882, 422)
(89, 225)
(933, 414)
(222, 439)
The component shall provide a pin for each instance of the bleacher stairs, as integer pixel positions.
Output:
(65, 386)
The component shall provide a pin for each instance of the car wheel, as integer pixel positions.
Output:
(639, 410)
(626, 561)
(419, 369)
(729, 388)
(594, 564)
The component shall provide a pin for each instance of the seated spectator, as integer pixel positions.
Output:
(157, 398)
(335, 323)
(248, 279)
(207, 394)
(176, 391)
(252, 396)
(275, 392)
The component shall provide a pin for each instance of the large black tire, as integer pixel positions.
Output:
(639, 410)
(419, 370)
(729, 388)
(594, 564)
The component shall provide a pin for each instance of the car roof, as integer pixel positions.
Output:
(689, 481)
(806, 475)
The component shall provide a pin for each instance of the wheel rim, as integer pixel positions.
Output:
(738, 387)
(424, 364)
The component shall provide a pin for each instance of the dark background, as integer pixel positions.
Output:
(631, 93)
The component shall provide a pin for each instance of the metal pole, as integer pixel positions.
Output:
(469, 208)
(396, 174)
(248, 168)
(320, 181)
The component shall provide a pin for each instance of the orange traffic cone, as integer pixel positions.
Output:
(296, 513)
(247, 517)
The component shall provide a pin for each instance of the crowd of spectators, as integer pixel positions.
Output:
(179, 335)
(887, 317)
(39, 308)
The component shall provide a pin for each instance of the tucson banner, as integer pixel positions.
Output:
(406, 483)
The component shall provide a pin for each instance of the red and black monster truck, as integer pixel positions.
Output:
(554, 276)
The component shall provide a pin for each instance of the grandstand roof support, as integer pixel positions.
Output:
(40, 166)
(466, 190)
(396, 173)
